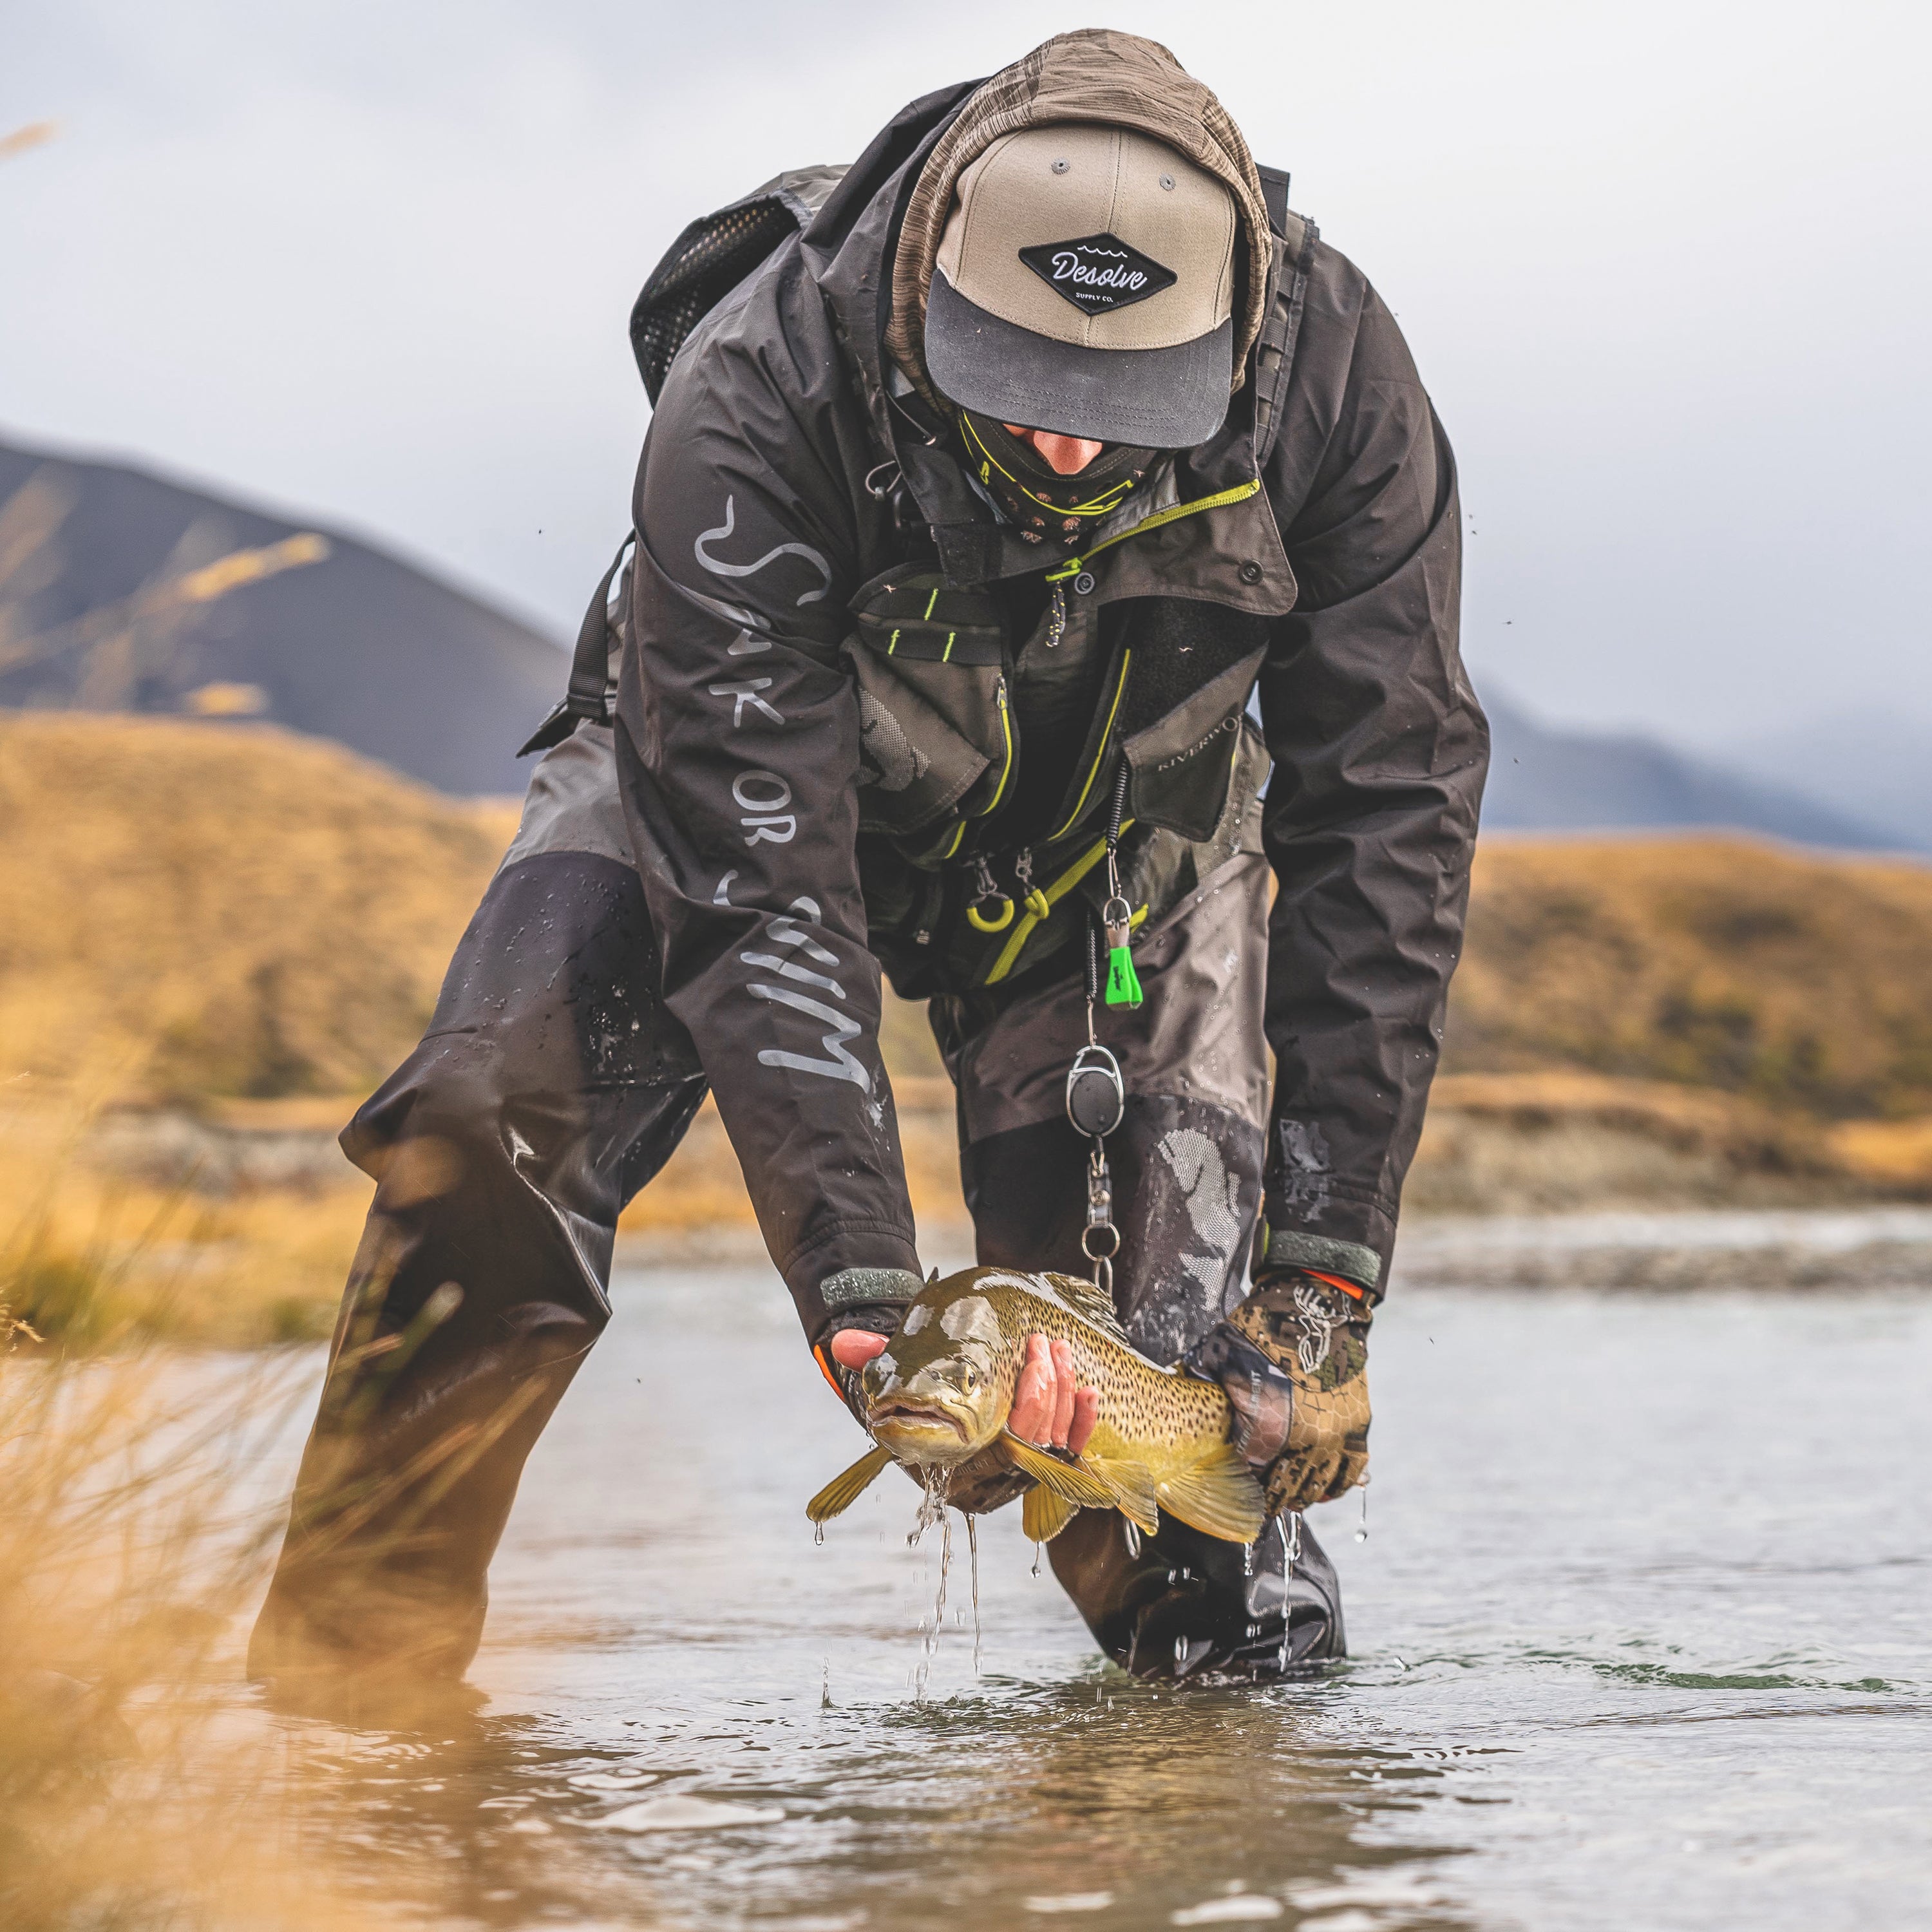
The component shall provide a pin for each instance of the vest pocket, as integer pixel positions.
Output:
(1183, 763)
(934, 731)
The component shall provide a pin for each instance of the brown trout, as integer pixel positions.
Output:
(940, 1395)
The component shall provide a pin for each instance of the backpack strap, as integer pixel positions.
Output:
(1294, 239)
(713, 255)
(588, 696)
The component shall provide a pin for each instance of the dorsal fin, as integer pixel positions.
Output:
(1092, 1304)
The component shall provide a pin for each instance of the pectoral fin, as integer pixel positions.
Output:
(1044, 1515)
(1219, 1496)
(1132, 1486)
(1072, 1482)
(843, 1491)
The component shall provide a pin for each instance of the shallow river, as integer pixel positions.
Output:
(1642, 1637)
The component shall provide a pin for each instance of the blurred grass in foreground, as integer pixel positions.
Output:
(136, 1786)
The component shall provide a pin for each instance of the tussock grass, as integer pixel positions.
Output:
(221, 909)
(1796, 979)
(137, 1776)
(93, 1259)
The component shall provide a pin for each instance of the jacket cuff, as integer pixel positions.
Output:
(851, 1267)
(1354, 1242)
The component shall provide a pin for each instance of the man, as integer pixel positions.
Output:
(970, 521)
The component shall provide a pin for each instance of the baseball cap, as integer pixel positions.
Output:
(1085, 284)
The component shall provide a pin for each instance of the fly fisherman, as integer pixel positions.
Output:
(992, 481)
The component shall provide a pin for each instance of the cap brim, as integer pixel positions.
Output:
(1157, 398)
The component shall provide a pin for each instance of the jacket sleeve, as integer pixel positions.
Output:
(738, 748)
(1380, 751)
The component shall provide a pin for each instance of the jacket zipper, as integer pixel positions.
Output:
(953, 844)
(1239, 494)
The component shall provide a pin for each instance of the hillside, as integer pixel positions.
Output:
(120, 590)
(200, 909)
(227, 918)
(1797, 980)
(1544, 779)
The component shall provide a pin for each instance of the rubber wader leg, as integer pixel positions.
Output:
(550, 1086)
(1181, 1605)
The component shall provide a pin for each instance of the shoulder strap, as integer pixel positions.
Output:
(1295, 237)
(588, 696)
(1274, 193)
(713, 255)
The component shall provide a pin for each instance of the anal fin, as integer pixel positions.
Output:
(1219, 1496)
(1072, 1482)
(1044, 1515)
(844, 1490)
(1132, 1485)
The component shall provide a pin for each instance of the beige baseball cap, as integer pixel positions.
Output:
(1085, 284)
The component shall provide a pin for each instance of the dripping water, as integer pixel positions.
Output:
(1362, 1534)
(1291, 1548)
(1133, 1535)
(932, 1509)
(973, 1552)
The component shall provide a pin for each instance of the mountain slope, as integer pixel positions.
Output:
(1876, 765)
(334, 638)
(194, 909)
(1543, 779)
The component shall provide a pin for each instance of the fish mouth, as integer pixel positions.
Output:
(919, 1431)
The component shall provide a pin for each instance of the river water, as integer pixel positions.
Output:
(1640, 1639)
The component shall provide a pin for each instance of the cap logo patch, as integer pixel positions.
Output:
(1098, 272)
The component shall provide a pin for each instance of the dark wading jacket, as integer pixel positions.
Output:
(815, 740)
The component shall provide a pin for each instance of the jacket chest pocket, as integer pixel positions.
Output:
(936, 733)
(1194, 670)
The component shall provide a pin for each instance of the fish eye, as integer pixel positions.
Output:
(969, 1378)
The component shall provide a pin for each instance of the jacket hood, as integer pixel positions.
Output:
(1095, 74)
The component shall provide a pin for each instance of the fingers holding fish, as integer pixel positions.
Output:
(1050, 1408)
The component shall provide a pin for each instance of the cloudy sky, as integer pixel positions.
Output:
(1665, 265)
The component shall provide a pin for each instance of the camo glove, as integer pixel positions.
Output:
(1293, 1359)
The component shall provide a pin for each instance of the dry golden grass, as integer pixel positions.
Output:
(1796, 979)
(139, 1789)
(1893, 1153)
(218, 909)
(251, 927)
(91, 1258)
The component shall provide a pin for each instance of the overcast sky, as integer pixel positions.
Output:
(1665, 267)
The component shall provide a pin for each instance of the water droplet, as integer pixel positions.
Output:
(1133, 1535)
(818, 1532)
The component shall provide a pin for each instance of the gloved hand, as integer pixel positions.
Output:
(1293, 1358)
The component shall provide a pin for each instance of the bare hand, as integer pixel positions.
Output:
(1049, 1409)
